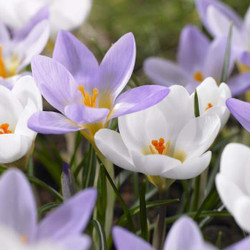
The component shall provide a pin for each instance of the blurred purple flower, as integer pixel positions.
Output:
(63, 226)
(197, 59)
(184, 234)
(17, 47)
(241, 111)
(85, 92)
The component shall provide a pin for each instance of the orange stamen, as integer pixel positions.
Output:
(23, 239)
(88, 100)
(209, 105)
(4, 129)
(160, 147)
(2, 67)
(198, 76)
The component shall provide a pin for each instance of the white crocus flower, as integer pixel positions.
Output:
(212, 99)
(164, 140)
(64, 14)
(16, 106)
(232, 182)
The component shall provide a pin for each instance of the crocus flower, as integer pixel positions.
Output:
(184, 234)
(62, 227)
(165, 140)
(18, 46)
(85, 92)
(16, 106)
(232, 182)
(217, 17)
(64, 14)
(241, 111)
(197, 59)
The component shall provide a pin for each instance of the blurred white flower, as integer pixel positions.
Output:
(164, 140)
(16, 106)
(64, 14)
(233, 184)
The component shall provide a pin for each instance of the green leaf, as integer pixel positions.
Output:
(102, 244)
(196, 104)
(47, 207)
(227, 55)
(143, 211)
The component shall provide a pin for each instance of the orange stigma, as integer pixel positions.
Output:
(23, 239)
(4, 129)
(88, 100)
(198, 76)
(2, 67)
(209, 105)
(159, 146)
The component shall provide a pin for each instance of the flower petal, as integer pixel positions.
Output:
(115, 150)
(46, 122)
(185, 234)
(82, 114)
(117, 66)
(133, 100)
(244, 57)
(77, 58)
(192, 46)
(56, 84)
(69, 219)
(4, 34)
(190, 168)
(17, 204)
(240, 245)
(76, 242)
(165, 72)
(198, 135)
(124, 240)
(241, 111)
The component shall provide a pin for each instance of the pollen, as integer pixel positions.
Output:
(209, 105)
(88, 100)
(4, 129)
(159, 147)
(198, 76)
(2, 66)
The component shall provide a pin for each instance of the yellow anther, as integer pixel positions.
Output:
(88, 100)
(209, 105)
(4, 129)
(198, 76)
(2, 66)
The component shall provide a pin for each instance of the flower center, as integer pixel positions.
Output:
(4, 129)
(209, 105)
(158, 147)
(2, 67)
(88, 100)
(198, 76)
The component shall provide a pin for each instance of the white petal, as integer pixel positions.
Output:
(190, 168)
(112, 147)
(13, 147)
(247, 20)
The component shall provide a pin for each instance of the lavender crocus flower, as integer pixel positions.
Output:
(184, 234)
(62, 227)
(18, 46)
(85, 92)
(197, 59)
(241, 111)
(217, 18)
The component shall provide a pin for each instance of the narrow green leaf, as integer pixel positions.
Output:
(227, 55)
(196, 104)
(143, 211)
(78, 141)
(102, 244)
(47, 207)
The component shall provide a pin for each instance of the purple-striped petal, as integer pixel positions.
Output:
(56, 84)
(69, 219)
(77, 58)
(241, 111)
(46, 122)
(137, 99)
(17, 204)
(117, 66)
(239, 84)
(42, 14)
(82, 114)
(125, 240)
(202, 6)
(165, 72)
(193, 44)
